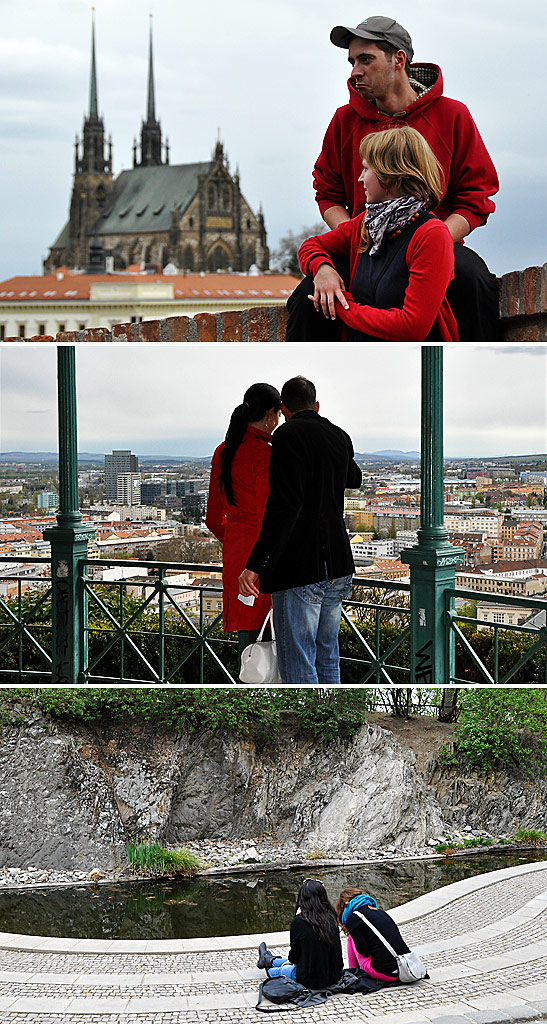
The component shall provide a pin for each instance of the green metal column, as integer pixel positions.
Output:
(433, 561)
(69, 538)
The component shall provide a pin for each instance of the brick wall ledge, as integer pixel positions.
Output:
(523, 310)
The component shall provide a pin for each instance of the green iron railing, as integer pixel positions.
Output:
(151, 638)
(25, 623)
(491, 666)
(168, 644)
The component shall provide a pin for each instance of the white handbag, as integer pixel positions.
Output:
(409, 965)
(259, 660)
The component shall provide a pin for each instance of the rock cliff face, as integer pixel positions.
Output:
(72, 797)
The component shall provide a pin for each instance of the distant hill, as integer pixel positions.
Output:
(98, 457)
(388, 455)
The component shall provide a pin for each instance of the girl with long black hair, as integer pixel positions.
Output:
(238, 491)
(315, 956)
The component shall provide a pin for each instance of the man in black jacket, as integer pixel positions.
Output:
(303, 556)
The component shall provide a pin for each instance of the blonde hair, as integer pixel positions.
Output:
(402, 159)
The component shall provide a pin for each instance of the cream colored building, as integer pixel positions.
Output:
(69, 301)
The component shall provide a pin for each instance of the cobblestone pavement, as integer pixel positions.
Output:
(484, 941)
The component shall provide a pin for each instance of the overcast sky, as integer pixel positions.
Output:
(266, 74)
(173, 400)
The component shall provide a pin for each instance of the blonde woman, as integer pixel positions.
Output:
(401, 257)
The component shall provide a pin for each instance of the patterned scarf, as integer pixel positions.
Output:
(390, 216)
(358, 901)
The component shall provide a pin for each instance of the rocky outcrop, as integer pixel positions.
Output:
(497, 802)
(72, 796)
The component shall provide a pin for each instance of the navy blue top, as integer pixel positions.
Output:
(381, 280)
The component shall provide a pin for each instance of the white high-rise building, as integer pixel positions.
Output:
(129, 489)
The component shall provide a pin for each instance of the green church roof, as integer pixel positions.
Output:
(143, 198)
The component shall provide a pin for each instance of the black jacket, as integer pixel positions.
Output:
(317, 964)
(303, 537)
(368, 944)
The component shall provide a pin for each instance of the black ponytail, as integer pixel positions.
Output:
(256, 402)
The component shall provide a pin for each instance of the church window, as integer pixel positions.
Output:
(250, 257)
(41, 329)
(190, 222)
(61, 329)
(226, 198)
(248, 223)
(188, 258)
(22, 330)
(212, 197)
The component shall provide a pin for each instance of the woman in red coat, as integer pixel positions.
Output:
(238, 491)
(400, 256)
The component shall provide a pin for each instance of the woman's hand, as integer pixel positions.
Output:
(329, 286)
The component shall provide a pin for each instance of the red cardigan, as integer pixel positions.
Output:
(237, 526)
(430, 261)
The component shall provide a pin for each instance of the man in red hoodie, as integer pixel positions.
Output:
(386, 89)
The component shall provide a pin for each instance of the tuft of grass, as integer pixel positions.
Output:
(523, 835)
(156, 860)
(315, 855)
(530, 835)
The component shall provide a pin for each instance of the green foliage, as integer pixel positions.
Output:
(502, 727)
(530, 835)
(326, 712)
(155, 860)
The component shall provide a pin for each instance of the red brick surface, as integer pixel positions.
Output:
(510, 303)
(150, 330)
(206, 324)
(543, 289)
(533, 330)
(232, 325)
(530, 287)
(282, 317)
(40, 337)
(68, 337)
(96, 334)
(258, 324)
(122, 332)
(177, 328)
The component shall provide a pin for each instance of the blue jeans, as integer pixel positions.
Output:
(307, 621)
(277, 970)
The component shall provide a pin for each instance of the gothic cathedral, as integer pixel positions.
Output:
(191, 215)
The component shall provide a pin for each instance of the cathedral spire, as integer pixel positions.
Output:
(93, 104)
(151, 142)
(151, 112)
(92, 159)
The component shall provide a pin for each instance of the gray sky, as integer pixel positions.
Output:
(266, 74)
(177, 399)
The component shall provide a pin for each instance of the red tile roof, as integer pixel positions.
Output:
(192, 287)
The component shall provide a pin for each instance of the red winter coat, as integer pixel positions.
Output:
(430, 261)
(469, 175)
(237, 526)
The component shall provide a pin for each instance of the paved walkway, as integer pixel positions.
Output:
(484, 941)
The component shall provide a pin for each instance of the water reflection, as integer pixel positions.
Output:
(225, 905)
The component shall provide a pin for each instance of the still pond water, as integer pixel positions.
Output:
(222, 905)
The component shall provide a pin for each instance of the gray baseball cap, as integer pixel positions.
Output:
(377, 29)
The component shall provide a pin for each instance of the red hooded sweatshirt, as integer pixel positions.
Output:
(469, 175)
